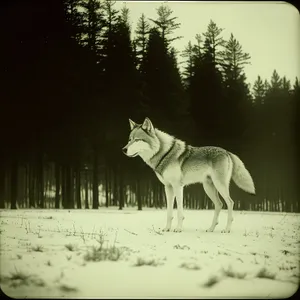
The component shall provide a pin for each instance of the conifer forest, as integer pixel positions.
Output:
(73, 73)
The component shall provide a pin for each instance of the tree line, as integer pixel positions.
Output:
(74, 72)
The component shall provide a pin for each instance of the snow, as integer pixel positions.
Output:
(44, 253)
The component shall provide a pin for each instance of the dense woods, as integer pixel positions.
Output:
(73, 72)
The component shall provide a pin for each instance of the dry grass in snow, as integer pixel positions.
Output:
(110, 253)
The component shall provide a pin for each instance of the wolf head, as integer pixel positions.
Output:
(142, 140)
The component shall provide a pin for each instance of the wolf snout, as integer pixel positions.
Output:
(124, 149)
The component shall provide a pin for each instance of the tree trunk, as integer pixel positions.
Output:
(78, 188)
(86, 190)
(22, 183)
(40, 182)
(109, 186)
(194, 199)
(149, 193)
(154, 187)
(26, 184)
(69, 187)
(31, 186)
(121, 190)
(63, 187)
(72, 188)
(14, 184)
(57, 185)
(49, 203)
(95, 181)
(106, 187)
(2, 187)
(138, 193)
(115, 189)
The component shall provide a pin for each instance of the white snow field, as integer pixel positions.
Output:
(110, 253)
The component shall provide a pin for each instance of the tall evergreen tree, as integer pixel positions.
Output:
(237, 94)
(142, 34)
(274, 90)
(276, 81)
(233, 60)
(163, 89)
(92, 23)
(189, 68)
(214, 41)
(74, 18)
(194, 56)
(296, 89)
(206, 93)
(259, 91)
(166, 24)
(286, 86)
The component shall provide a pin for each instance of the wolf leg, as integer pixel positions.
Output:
(221, 175)
(212, 193)
(223, 189)
(179, 201)
(170, 203)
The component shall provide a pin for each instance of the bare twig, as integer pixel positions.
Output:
(82, 235)
(131, 232)
(157, 232)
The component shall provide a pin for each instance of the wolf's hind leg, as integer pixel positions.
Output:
(223, 188)
(212, 193)
(170, 203)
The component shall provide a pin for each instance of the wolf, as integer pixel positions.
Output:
(177, 164)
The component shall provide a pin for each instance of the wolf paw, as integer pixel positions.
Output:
(177, 230)
(225, 231)
(166, 229)
(209, 230)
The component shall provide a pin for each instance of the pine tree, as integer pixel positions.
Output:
(198, 51)
(214, 41)
(142, 34)
(95, 27)
(259, 91)
(163, 86)
(233, 60)
(166, 24)
(276, 81)
(74, 18)
(237, 92)
(188, 71)
(296, 89)
(206, 93)
(121, 76)
(110, 17)
(286, 87)
(274, 91)
(155, 67)
(92, 23)
(194, 56)
(296, 101)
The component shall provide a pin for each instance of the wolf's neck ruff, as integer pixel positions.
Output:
(158, 168)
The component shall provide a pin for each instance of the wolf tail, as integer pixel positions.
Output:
(241, 176)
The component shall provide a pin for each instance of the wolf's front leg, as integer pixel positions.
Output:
(170, 203)
(179, 201)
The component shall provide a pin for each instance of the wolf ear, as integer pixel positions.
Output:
(132, 124)
(147, 125)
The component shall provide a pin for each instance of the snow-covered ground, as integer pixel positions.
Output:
(110, 253)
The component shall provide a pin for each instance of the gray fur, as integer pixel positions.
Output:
(177, 164)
